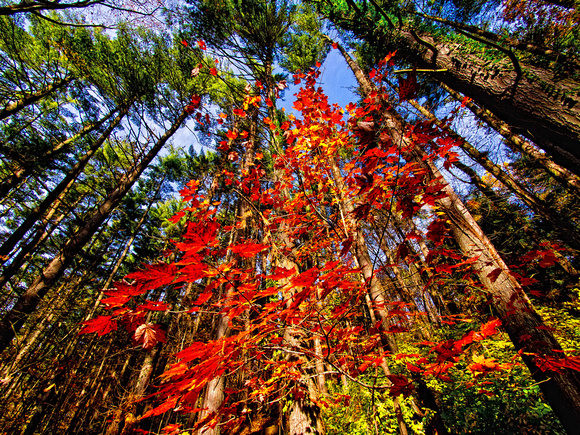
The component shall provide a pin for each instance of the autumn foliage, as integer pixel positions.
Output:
(293, 294)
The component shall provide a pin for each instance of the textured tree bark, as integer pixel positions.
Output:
(376, 297)
(214, 393)
(40, 5)
(28, 302)
(535, 103)
(503, 40)
(214, 390)
(33, 337)
(64, 369)
(304, 417)
(495, 199)
(408, 296)
(87, 406)
(41, 234)
(533, 100)
(523, 325)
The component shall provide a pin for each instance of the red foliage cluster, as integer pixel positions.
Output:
(316, 297)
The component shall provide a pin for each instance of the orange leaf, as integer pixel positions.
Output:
(248, 250)
(115, 301)
(164, 407)
(281, 273)
(231, 134)
(490, 328)
(203, 298)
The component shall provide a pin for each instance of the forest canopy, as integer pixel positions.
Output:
(200, 236)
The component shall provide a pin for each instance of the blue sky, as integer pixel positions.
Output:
(336, 80)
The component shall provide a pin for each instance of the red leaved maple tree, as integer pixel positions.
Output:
(305, 302)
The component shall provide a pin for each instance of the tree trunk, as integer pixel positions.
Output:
(92, 382)
(535, 103)
(40, 5)
(567, 232)
(517, 144)
(214, 393)
(503, 40)
(56, 195)
(408, 296)
(32, 98)
(128, 415)
(496, 200)
(90, 400)
(523, 325)
(32, 338)
(376, 296)
(21, 173)
(41, 234)
(51, 399)
(539, 105)
(304, 417)
(27, 303)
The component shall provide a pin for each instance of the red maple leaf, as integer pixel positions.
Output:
(401, 385)
(194, 105)
(115, 301)
(153, 306)
(408, 86)
(164, 407)
(494, 274)
(248, 250)
(101, 325)
(280, 273)
(490, 328)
